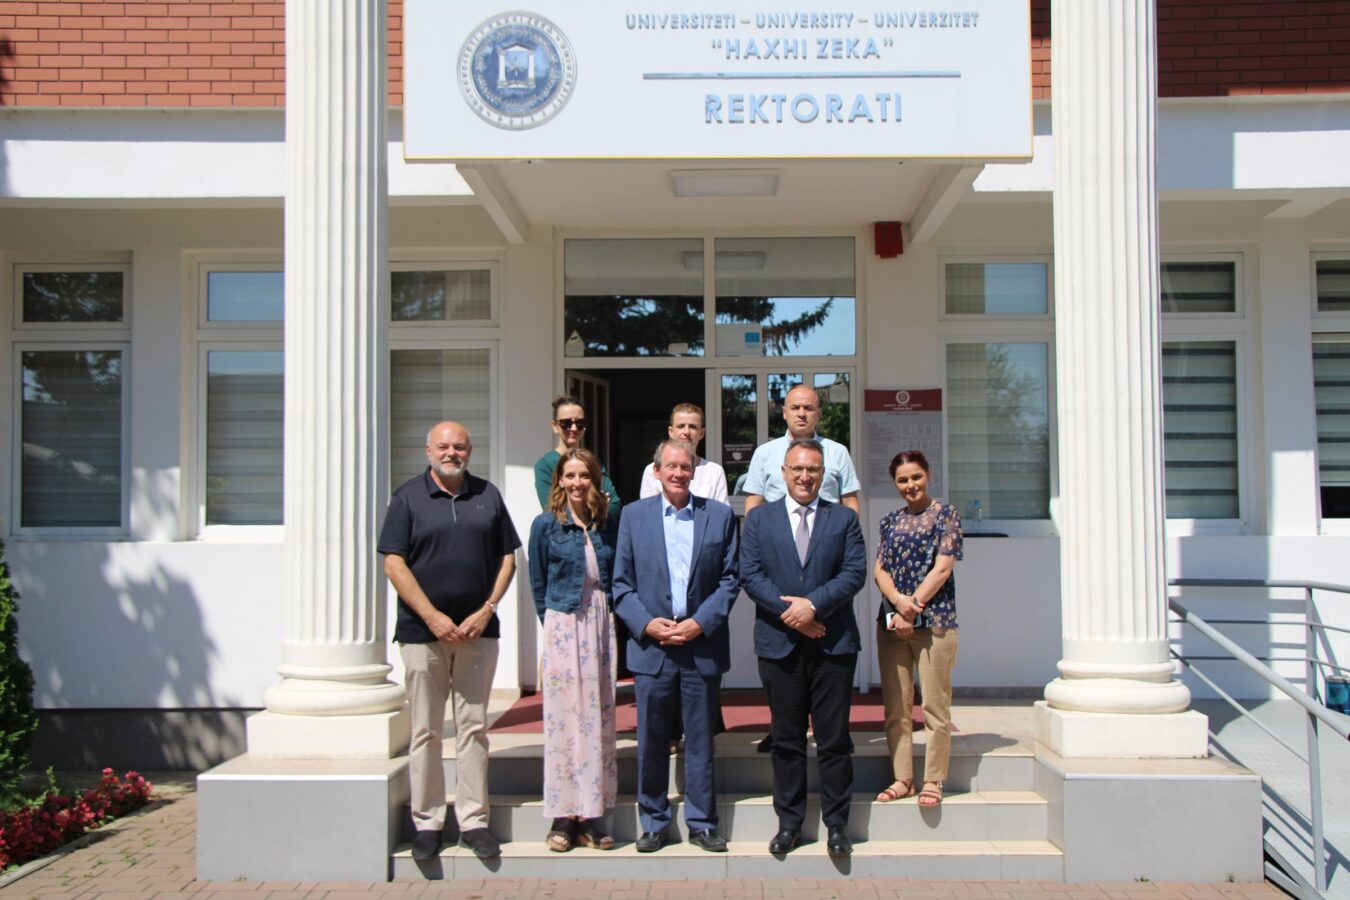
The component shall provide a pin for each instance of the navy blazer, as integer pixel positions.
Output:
(642, 583)
(835, 570)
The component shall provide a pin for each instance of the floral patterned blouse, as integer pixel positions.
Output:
(910, 545)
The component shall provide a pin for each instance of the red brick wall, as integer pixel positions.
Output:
(74, 53)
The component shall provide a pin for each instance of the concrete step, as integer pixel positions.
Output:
(1003, 860)
(978, 763)
(979, 816)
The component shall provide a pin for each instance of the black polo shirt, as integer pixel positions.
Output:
(454, 545)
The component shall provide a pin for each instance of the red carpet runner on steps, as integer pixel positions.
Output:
(744, 711)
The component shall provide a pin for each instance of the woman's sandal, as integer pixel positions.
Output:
(560, 834)
(931, 795)
(898, 790)
(590, 834)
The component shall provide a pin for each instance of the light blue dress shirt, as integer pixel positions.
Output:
(765, 477)
(679, 527)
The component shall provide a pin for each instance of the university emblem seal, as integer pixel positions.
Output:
(517, 70)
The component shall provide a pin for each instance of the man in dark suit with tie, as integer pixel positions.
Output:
(674, 582)
(802, 561)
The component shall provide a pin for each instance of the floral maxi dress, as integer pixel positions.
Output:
(578, 673)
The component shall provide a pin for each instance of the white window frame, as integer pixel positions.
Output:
(17, 337)
(995, 258)
(74, 344)
(223, 336)
(716, 366)
(1232, 327)
(104, 329)
(1009, 328)
(453, 263)
(452, 335)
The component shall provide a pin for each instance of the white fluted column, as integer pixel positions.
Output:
(1110, 507)
(336, 289)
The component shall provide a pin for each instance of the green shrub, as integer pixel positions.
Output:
(18, 721)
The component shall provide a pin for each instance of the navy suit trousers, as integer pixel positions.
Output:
(680, 692)
(808, 685)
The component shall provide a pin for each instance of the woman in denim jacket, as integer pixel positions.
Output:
(571, 561)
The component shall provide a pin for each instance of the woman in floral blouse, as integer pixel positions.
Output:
(920, 544)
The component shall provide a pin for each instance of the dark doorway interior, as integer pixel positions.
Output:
(639, 410)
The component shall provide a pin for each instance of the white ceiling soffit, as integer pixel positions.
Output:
(641, 194)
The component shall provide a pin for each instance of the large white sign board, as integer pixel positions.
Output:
(563, 79)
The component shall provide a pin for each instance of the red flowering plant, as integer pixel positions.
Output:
(35, 830)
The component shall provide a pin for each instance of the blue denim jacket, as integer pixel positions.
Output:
(558, 561)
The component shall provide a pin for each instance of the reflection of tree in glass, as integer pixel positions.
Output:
(635, 326)
(738, 408)
(72, 296)
(1015, 418)
(646, 326)
(1013, 404)
(71, 399)
(834, 422)
(419, 295)
(780, 338)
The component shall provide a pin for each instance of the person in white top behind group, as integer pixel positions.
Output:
(686, 424)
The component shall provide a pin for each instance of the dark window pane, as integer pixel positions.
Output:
(738, 427)
(72, 439)
(835, 406)
(1199, 287)
(73, 296)
(456, 295)
(1333, 285)
(633, 298)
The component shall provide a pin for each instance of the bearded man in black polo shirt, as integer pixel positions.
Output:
(449, 550)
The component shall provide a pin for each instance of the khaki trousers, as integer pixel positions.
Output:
(434, 673)
(934, 651)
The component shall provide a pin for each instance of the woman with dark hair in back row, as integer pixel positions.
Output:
(569, 427)
(916, 625)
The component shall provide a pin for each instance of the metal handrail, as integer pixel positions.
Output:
(1316, 712)
(1270, 675)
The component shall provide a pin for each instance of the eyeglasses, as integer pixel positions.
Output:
(569, 424)
(805, 470)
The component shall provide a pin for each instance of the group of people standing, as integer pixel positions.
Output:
(670, 566)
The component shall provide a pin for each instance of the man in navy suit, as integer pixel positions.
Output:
(802, 561)
(674, 583)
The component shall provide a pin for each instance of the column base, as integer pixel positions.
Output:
(1094, 735)
(372, 736)
(301, 820)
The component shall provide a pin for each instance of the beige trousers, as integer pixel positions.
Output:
(435, 673)
(934, 651)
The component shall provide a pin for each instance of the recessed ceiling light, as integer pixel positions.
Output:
(724, 182)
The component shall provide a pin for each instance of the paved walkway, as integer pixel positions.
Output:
(153, 854)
